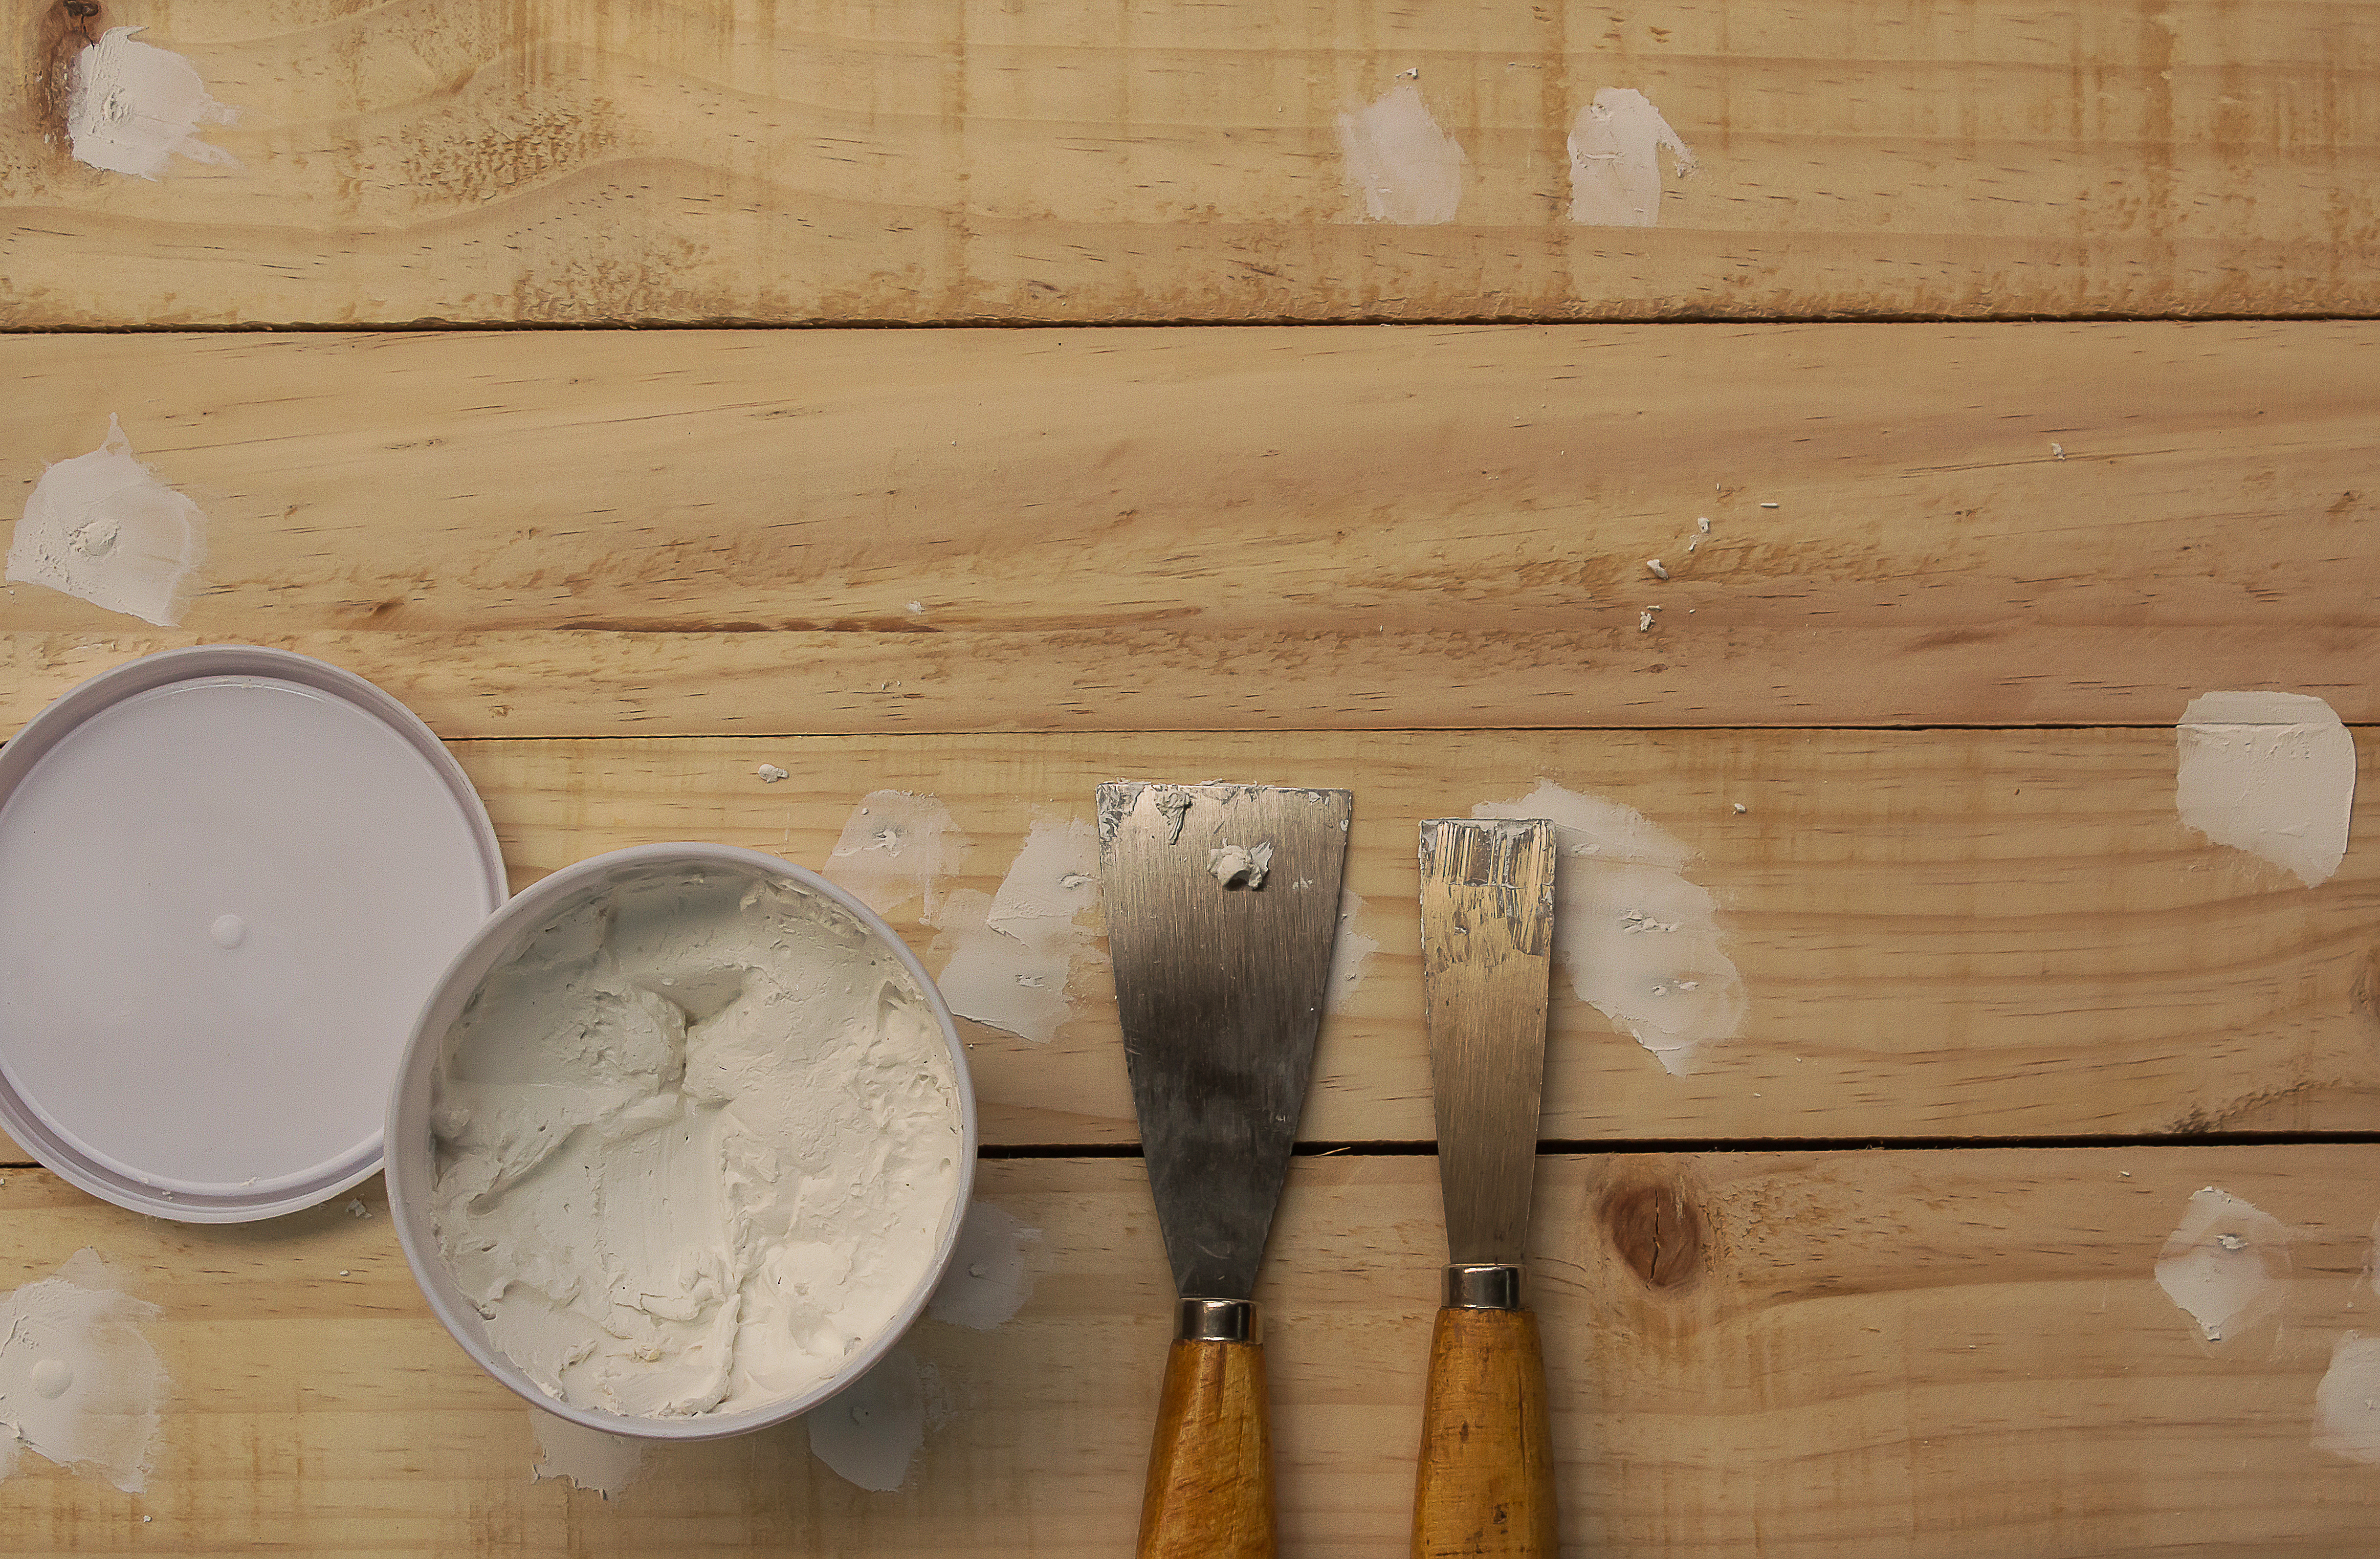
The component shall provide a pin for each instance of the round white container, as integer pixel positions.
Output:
(411, 1168)
(228, 874)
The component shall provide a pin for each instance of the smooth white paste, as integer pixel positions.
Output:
(698, 1142)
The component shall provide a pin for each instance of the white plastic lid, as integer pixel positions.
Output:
(229, 878)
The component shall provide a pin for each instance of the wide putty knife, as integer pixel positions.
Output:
(1222, 901)
(1486, 1480)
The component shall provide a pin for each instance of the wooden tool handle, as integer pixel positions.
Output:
(1486, 1483)
(1210, 1470)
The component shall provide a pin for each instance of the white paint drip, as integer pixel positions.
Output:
(1012, 956)
(1641, 942)
(1410, 171)
(133, 106)
(896, 847)
(587, 1457)
(103, 528)
(1615, 164)
(1349, 954)
(2225, 1263)
(2270, 773)
(78, 1383)
(2347, 1403)
(989, 1277)
(869, 1433)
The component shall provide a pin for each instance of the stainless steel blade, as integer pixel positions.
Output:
(1220, 970)
(1487, 956)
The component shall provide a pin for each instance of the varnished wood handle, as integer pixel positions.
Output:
(1210, 1470)
(1486, 1484)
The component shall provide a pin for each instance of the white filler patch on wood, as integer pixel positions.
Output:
(1615, 160)
(896, 847)
(134, 107)
(102, 527)
(2227, 1263)
(78, 1383)
(991, 1274)
(1410, 171)
(1642, 943)
(587, 1457)
(2270, 773)
(1013, 955)
(2347, 1403)
(1350, 954)
(870, 1433)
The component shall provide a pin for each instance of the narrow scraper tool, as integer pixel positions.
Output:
(1485, 1483)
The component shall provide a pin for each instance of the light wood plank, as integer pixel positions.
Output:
(1885, 1354)
(1965, 934)
(564, 534)
(959, 160)
(1942, 934)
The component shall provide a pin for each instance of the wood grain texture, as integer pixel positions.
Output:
(1947, 933)
(953, 159)
(1874, 1355)
(1484, 1483)
(584, 534)
(1211, 1486)
(1968, 934)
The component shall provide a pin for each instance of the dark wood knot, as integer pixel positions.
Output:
(1656, 1232)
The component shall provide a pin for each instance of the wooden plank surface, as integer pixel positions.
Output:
(1940, 935)
(1960, 934)
(1889, 1354)
(954, 160)
(585, 533)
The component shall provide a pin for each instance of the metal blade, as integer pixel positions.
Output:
(1487, 958)
(1221, 991)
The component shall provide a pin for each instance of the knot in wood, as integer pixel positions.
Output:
(1656, 1231)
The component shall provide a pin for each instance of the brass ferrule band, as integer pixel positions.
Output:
(1215, 1321)
(1470, 1287)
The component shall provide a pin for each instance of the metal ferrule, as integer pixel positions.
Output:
(1215, 1321)
(1470, 1287)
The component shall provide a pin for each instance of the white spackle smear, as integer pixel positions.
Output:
(870, 1431)
(1012, 955)
(1410, 171)
(1350, 953)
(1615, 163)
(102, 527)
(2347, 1403)
(2270, 773)
(134, 106)
(2225, 1263)
(1641, 942)
(989, 1277)
(78, 1383)
(896, 847)
(587, 1457)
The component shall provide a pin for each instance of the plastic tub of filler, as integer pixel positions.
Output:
(681, 1143)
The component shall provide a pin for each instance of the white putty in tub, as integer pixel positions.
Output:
(696, 1141)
